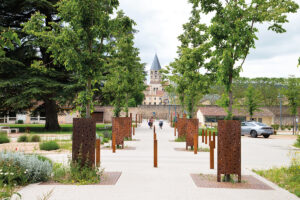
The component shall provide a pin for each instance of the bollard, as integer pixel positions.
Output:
(206, 136)
(214, 139)
(211, 151)
(114, 143)
(153, 129)
(195, 143)
(209, 139)
(131, 122)
(174, 129)
(202, 135)
(98, 142)
(155, 153)
(154, 136)
(135, 120)
(133, 130)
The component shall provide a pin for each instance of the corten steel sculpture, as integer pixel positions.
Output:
(229, 148)
(98, 142)
(121, 128)
(191, 129)
(181, 126)
(84, 139)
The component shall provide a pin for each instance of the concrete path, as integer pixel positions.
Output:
(171, 180)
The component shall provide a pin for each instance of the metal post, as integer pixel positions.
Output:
(211, 150)
(113, 142)
(280, 111)
(98, 142)
(155, 153)
(195, 143)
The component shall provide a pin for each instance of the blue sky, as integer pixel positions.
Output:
(159, 23)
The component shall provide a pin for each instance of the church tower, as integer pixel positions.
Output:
(155, 77)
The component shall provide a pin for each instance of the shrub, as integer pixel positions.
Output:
(4, 139)
(49, 145)
(23, 169)
(276, 126)
(107, 134)
(20, 121)
(23, 138)
(35, 138)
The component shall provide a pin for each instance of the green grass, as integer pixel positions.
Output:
(39, 128)
(285, 177)
(297, 143)
(208, 129)
(180, 139)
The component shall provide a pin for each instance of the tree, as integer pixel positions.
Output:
(80, 41)
(233, 33)
(186, 70)
(252, 101)
(126, 76)
(293, 95)
(33, 81)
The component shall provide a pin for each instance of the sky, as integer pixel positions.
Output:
(159, 23)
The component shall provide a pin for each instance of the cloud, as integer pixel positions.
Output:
(159, 23)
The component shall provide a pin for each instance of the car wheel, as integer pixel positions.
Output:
(253, 134)
(266, 136)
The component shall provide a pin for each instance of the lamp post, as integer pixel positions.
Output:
(280, 99)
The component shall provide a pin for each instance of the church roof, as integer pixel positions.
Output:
(155, 65)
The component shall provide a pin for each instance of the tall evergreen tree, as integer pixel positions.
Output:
(35, 81)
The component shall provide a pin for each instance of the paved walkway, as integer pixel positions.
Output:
(171, 180)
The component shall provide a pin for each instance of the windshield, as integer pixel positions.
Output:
(261, 124)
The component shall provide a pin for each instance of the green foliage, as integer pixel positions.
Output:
(49, 145)
(4, 139)
(297, 143)
(19, 121)
(189, 83)
(76, 174)
(233, 33)
(35, 138)
(286, 177)
(125, 81)
(276, 126)
(23, 138)
(292, 93)
(20, 169)
(180, 139)
(80, 41)
(208, 129)
(252, 100)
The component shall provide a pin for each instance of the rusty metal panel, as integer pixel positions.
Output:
(191, 129)
(181, 127)
(229, 148)
(118, 124)
(84, 138)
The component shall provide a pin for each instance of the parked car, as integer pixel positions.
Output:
(256, 128)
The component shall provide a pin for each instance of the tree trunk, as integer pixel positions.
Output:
(88, 105)
(51, 116)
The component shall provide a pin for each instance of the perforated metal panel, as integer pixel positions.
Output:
(84, 138)
(191, 129)
(229, 148)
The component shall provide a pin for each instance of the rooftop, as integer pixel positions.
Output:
(155, 65)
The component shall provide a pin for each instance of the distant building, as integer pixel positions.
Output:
(155, 93)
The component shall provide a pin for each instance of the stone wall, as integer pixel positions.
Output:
(161, 111)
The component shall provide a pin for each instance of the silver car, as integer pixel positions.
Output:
(256, 128)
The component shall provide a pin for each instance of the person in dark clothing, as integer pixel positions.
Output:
(161, 123)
